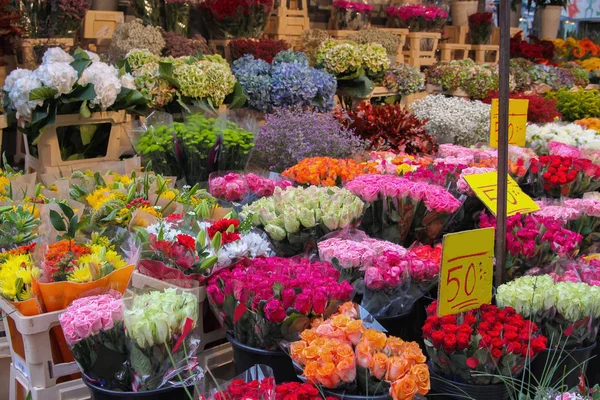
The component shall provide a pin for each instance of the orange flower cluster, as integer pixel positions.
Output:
(572, 49)
(56, 252)
(332, 351)
(327, 171)
(589, 123)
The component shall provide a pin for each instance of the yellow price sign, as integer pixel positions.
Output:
(485, 187)
(517, 122)
(467, 271)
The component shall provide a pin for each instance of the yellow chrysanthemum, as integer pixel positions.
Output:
(4, 184)
(169, 195)
(81, 274)
(124, 179)
(112, 257)
(151, 211)
(101, 195)
(99, 241)
(16, 275)
(9, 288)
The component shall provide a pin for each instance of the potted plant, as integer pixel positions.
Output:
(351, 15)
(480, 28)
(460, 10)
(548, 13)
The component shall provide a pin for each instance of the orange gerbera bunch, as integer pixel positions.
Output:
(334, 352)
(572, 49)
(327, 171)
(589, 123)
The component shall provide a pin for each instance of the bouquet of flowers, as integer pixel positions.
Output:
(245, 189)
(295, 218)
(417, 18)
(584, 269)
(289, 81)
(260, 49)
(236, 18)
(162, 347)
(57, 19)
(66, 84)
(566, 312)
(326, 171)
(405, 79)
(402, 211)
(17, 272)
(491, 341)
(351, 15)
(573, 49)
(480, 28)
(172, 253)
(558, 176)
(342, 353)
(256, 383)
(534, 241)
(20, 225)
(538, 50)
(265, 300)
(93, 328)
(538, 136)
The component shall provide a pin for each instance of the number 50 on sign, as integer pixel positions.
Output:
(467, 271)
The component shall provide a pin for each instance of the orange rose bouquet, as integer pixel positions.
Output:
(343, 354)
(327, 171)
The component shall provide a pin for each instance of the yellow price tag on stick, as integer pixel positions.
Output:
(485, 187)
(517, 122)
(467, 271)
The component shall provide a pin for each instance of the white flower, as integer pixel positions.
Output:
(19, 95)
(58, 75)
(56, 54)
(93, 56)
(128, 81)
(14, 76)
(256, 245)
(105, 79)
(163, 231)
(231, 252)
(538, 136)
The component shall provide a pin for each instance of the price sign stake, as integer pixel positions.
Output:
(517, 122)
(467, 271)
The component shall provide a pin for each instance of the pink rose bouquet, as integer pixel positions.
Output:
(417, 18)
(580, 270)
(93, 328)
(266, 300)
(243, 189)
(534, 242)
(403, 211)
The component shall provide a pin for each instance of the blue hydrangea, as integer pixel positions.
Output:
(289, 82)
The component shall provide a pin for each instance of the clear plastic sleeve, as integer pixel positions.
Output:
(257, 383)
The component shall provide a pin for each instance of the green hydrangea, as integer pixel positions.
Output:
(155, 89)
(138, 58)
(340, 59)
(374, 57)
(203, 79)
(405, 79)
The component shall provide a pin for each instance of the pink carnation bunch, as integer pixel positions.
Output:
(236, 187)
(563, 150)
(560, 213)
(264, 292)
(91, 315)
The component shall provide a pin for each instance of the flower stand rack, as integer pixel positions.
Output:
(49, 156)
(3, 125)
(222, 48)
(495, 39)
(485, 53)
(457, 34)
(379, 91)
(33, 369)
(455, 46)
(98, 28)
(420, 48)
(209, 356)
(27, 47)
(408, 99)
(287, 22)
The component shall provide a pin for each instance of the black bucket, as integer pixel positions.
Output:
(339, 394)
(168, 393)
(245, 357)
(402, 326)
(455, 390)
(593, 369)
(568, 360)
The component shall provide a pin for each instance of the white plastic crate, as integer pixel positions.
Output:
(71, 390)
(37, 367)
(141, 281)
(4, 346)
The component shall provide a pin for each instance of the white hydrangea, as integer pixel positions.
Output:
(105, 79)
(128, 81)
(19, 95)
(453, 119)
(575, 135)
(93, 56)
(56, 54)
(58, 75)
(14, 76)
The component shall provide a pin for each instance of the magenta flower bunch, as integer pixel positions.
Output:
(245, 188)
(353, 5)
(256, 299)
(418, 18)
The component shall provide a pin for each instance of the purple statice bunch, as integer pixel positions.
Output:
(291, 135)
(289, 82)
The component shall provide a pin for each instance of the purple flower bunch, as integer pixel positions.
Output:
(353, 5)
(290, 136)
(418, 18)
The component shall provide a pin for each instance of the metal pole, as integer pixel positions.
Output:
(502, 140)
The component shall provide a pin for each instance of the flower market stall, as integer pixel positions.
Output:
(241, 199)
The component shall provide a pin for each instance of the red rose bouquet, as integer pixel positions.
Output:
(538, 50)
(480, 28)
(236, 18)
(558, 176)
(257, 383)
(263, 48)
(265, 300)
(487, 340)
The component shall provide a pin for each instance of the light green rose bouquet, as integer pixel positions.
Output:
(162, 347)
(296, 217)
(567, 312)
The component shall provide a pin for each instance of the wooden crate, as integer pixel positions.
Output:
(496, 34)
(221, 47)
(288, 21)
(407, 100)
(454, 51)
(98, 28)
(49, 159)
(456, 34)
(485, 53)
(27, 49)
(3, 125)
(413, 54)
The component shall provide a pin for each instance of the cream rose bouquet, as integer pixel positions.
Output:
(162, 347)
